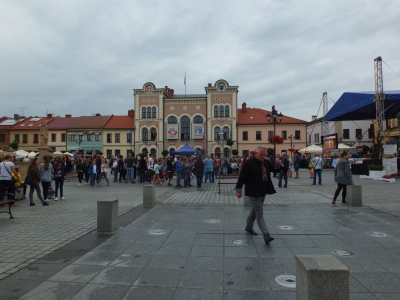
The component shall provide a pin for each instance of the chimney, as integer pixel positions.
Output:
(172, 92)
(209, 85)
(68, 116)
(166, 87)
(98, 115)
(131, 113)
(17, 117)
(313, 118)
(244, 108)
(49, 115)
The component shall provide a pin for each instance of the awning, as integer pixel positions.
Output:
(362, 106)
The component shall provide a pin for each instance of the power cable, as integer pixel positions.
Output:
(390, 68)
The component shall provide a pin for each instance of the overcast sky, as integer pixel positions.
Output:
(84, 57)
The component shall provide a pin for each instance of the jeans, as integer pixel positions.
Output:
(257, 213)
(207, 175)
(178, 178)
(199, 176)
(186, 179)
(284, 175)
(116, 174)
(130, 173)
(319, 172)
(59, 184)
(92, 179)
(45, 186)
(340, 186)
(35, 186)
(225, 170)
(80, 177)
(215, 173)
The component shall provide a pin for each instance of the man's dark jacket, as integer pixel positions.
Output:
(199, 166)
(251, 176)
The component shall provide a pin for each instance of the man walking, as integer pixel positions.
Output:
(256, 176)
(297, 160)
(199, 170)
(284, 165)
(130, 170)
(318, 164)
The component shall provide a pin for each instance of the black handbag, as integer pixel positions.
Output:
(28, 179)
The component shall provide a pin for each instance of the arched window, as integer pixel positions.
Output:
(226, 110)
(172, 120)
(216, 111)
(145, 134)
(217, 151)
(152, 136)
(198, 120)
(153, 151)
(185, 128)
(154, 112)
(221, 111)
(217, 130)
(226, 133)
(143, 112)
(149, 112)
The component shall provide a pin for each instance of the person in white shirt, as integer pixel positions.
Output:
(26, 159)
(115, 170)
(150, 166)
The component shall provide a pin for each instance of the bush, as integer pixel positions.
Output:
(14, 145)
(374, 167)
(235, 152)
(165, 153)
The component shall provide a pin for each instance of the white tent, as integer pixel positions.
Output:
(32, 154)
(21, 152)
(311, 149)
(343, 146)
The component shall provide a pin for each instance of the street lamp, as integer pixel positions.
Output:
(219, 140)
(79, 141)
(290, 137)
(276, 119)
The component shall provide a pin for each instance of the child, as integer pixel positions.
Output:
(104, 172)
(156, 169)
(93, 173)
(60, 174)
(19, 182)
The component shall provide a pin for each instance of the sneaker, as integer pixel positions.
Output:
(79, 184)
(45, 204)
(31, 204)
(47, 200)
(56, 199)
(62, 198)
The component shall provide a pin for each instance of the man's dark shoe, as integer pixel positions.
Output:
(268, 239)
(45, 204)
(251, 231)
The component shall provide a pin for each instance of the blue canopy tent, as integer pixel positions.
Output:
(362, 106)
(186, 150)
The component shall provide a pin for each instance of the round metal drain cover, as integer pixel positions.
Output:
(157, 232)
(342, 252)
(213, 221)
(238, 242)
(286, 280)
(376, 234)
(286, 227)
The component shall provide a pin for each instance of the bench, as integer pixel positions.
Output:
(9, 203)
(226, 176)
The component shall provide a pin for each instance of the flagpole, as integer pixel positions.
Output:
(185, 84)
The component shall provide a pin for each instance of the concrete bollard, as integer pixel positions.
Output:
(149, 195)
(321, 277)
(246, 199)
(354, 195)
(107, 215)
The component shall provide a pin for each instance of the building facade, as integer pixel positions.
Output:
(58, 132)
(166, 121)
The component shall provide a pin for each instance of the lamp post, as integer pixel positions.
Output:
(291, 145)
(219, 140)
(276, 119)
(79, 141)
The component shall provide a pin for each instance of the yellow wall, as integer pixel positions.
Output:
(58, 145)
(123, 146)
(29, 145)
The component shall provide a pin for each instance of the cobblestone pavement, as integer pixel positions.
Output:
(39, 230)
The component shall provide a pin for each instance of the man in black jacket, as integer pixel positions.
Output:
(256, 176)
(199, 170)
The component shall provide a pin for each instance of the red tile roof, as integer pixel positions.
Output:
(32, 123)
(117, 122)
(255, 116)
(90, 122)
(62, 123)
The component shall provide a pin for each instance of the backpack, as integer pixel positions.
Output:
(46, 177)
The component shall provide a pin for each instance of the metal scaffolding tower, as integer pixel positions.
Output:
(379, 99)
(325, 106)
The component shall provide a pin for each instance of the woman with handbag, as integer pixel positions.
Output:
(33, 181)
(7, 168)
(343, 176)
(46, 172)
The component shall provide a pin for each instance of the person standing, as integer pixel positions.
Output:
(318, 164)
(116, 170)
(178, 169)
(284, 165)
(343, 176)
(256, 176)
(93, 173)
(60, 174)
(46, 172)
(130, 169)
(296, 162)
(103, 173)
(225, 165)
(199, 170)
(208, 169)
(143, 169)
(7, 168)
(33, 170)
(80, 168)
(186, 166)
(170, 170)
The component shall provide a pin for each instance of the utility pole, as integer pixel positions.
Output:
(379, 101)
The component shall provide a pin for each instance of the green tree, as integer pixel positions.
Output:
(270, 151)
(99, 152)
(235, 152)
(229, 142)
(165, 153)
(14, 145)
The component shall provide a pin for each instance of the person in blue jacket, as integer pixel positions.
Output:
(93, 173)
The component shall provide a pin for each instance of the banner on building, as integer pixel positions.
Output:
(172, 132)
(197, 131)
